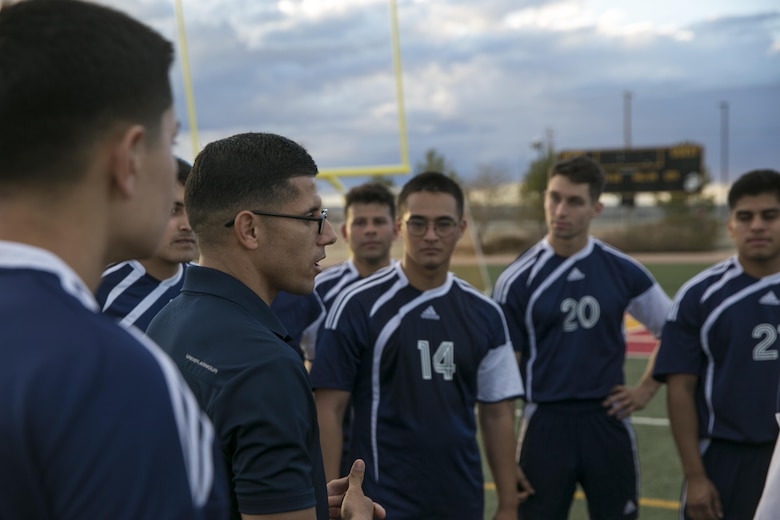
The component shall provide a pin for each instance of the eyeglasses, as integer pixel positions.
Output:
(443, 227)
(319, 220)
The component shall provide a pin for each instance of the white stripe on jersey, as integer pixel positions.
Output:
(551, 278)
(390, 293)
(712, 271)
(196, 432)
(515, 269)
(136, 274)
(150, 298)
(15, 255)
(338, 306)
(730, 275)
(347, 272)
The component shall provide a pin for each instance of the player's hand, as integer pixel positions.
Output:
(346, 500)
(623, 400)
(702, 501)
(524, 487)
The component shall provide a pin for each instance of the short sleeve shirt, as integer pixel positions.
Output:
(232, 352)
(566, 317)
(416, 364)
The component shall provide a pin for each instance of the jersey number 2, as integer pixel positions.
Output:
(768, 335)
(443, 359)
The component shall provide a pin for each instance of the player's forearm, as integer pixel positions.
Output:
(647, 383)
(331, 407)
(685, 422)
(497, 422)
(331, 441)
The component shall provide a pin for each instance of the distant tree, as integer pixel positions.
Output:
(534, 184)
(387, 180)
(435, 162)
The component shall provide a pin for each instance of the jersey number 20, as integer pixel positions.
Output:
(583, 313)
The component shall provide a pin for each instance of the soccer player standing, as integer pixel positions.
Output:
(719, 358)
(134, 291)
(417, 348)
(95, 421)
(565, 300)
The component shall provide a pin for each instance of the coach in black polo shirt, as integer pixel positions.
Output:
(253, 205)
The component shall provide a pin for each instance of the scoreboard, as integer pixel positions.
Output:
(632, 170)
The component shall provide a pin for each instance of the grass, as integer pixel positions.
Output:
(661, 475)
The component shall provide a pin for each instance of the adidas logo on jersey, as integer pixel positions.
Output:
(769, 299)
(429, 313)
(575, 275)
(630, 507)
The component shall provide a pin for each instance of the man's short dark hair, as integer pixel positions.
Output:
(581, 170)
(248, 171)
(183, 169)
(755, 182)
(371, 193)
(70, 71)
(433, 182)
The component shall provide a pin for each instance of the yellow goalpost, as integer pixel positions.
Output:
(330, 174)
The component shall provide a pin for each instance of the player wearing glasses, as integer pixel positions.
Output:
(417, 349)
(253, 204)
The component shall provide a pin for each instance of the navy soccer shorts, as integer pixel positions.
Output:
(571, 442)
(738, 471)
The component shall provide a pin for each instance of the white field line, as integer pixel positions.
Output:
(642, 421)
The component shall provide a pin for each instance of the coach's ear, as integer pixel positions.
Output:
(246, 230)
(126, 159)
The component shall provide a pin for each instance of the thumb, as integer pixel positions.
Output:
(357, 473)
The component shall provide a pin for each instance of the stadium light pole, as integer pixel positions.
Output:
(627, 119)
(724, 143)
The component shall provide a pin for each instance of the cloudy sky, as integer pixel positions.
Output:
(482, 79)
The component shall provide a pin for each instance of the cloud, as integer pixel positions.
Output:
(483, 79)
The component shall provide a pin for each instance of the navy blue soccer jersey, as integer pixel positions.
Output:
(566, 317)
(417, 363)
(723, 328)
(95, 421)
(132, 296)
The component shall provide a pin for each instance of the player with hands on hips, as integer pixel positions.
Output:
(565, 300)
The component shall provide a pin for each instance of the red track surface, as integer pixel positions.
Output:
(639, 342)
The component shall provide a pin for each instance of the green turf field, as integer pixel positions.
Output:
(660, 467)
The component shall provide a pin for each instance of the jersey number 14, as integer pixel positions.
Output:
(443, 360)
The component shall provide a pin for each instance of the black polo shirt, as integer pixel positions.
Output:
(231, 350)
